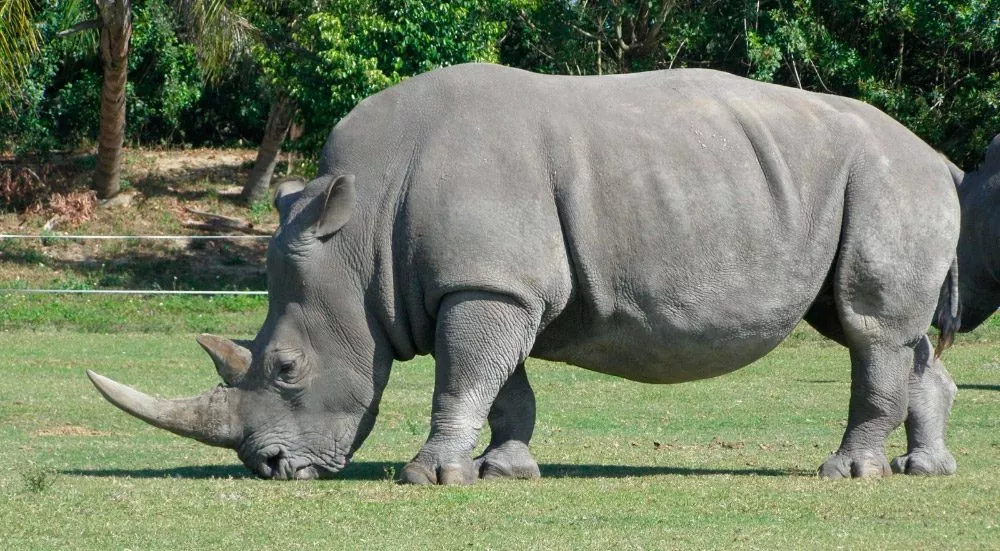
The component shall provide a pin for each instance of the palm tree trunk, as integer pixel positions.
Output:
(278, 121)
(116, 31)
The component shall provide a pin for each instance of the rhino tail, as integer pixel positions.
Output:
(949, 310)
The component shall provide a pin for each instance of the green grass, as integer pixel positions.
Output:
(721, 463)
(225, 314)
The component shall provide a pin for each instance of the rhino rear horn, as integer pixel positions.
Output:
(288, 192)
(208, 417)
(231, 360)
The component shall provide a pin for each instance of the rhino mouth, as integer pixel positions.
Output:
(275, 462)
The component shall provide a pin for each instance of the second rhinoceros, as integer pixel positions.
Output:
(979, 244)
(663, 227)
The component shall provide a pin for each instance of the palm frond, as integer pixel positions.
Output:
(19, 43)
(220, 33)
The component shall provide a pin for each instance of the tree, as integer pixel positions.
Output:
(115, 27)
(213, 27)
(595, 36)
(934, 65)
(19, 41)
(320, 60)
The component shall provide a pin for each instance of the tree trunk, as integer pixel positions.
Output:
(278, 121)
(116, 31)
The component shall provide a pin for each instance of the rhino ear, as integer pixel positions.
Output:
(338, 206)
(288, 191)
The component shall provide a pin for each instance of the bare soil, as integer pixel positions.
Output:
(161, 188)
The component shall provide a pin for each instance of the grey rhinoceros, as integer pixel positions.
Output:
(979, 243)
(663, 227)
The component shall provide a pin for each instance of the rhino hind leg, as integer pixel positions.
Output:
(932, 392)
(877, 407)
(481, 339)
(512, 422)
(886, 289)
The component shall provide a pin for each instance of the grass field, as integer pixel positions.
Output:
(723, 463)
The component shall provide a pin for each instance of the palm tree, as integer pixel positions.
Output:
(19, 41)
(217, 31)
(115, 24)
(279, 121)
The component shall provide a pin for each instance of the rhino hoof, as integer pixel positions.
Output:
(857, 465)
(925, 462)
(416, 472)
(510, 460)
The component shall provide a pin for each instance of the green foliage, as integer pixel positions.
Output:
(329, 59)
(61, 95)
(259, 209)
(932, 64)
(164, 78)
(19, 41)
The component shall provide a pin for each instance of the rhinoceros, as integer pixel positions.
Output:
(978, 246)
(662, 227)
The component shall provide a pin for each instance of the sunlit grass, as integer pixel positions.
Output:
(721, 463)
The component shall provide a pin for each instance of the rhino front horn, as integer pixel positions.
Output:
(231, 360)
(208, 417)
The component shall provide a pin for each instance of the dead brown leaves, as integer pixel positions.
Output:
(47, 190)
(73, 207)
(21, 188)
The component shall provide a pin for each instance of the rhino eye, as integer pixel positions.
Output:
(289, 369)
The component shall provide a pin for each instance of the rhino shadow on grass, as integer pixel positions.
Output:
(376, 470)
(979, 387)
(362, 470)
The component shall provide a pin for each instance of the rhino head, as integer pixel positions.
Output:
(299, 399)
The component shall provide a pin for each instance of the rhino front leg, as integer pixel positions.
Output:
(481, 338)
(932, 392)
(512, 422)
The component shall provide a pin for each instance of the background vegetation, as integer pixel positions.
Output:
(721, 463)
(933, 64)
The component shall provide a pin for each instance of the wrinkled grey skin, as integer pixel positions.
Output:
(979, 243)
(663, 227)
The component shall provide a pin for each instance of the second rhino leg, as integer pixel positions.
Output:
(512, 422)
(931, 394)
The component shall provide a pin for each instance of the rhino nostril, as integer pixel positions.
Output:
(274, 463)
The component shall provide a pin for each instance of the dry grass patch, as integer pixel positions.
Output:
(69, 430)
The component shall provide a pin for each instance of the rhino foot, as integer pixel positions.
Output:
(451, 472)
(925, 462)
(508, 460)
(862, 464)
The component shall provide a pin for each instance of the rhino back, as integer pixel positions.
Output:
(669, 226)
